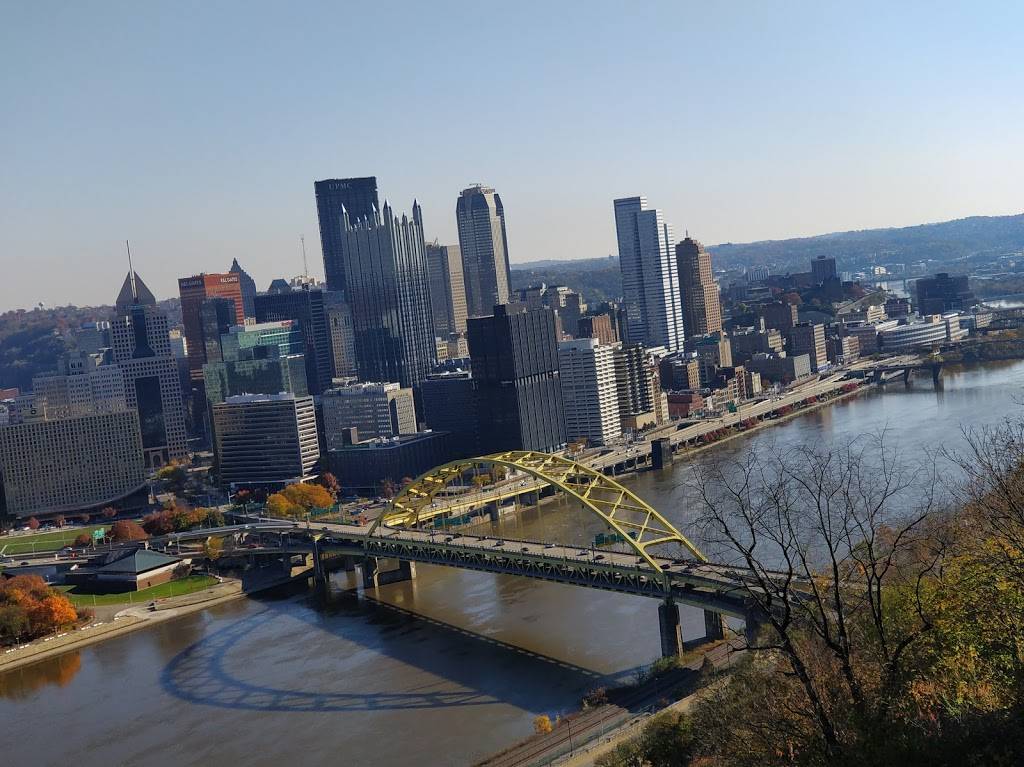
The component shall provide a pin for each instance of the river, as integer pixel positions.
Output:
(282, 681)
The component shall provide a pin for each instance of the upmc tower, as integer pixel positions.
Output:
(357, 197)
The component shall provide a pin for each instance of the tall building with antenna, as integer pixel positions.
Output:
(142, 350)
(334, 197)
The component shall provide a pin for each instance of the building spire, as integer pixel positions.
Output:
(131, 272)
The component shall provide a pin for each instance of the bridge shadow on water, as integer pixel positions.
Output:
(476, 670)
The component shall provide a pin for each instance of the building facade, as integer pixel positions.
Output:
(449, 404)
(365, 466)
(650, 275)
(809, 338)
(194, 291)
(307, 306)
(386, 268)
(356, 197)
(599, 326)
(142, 351)
(447, 289)
(481, 221)
(265, 440)
(702, 310)
(262, 358)
(514, 356)
(374, 409)
(586, 371)
(248, 287)
(943, 293)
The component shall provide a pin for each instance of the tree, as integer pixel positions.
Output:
(158, 523)
(84, 519)
(109, 512)
(33, 523)
(174, 476)
(213, 547)
(14, 623)
(126, 530)
(330, 483)
(83, 539)
(53, 612)
(59, 520)
(278, 505)
(839, 551)
(542, 724)
(388, 489)
(308, 496)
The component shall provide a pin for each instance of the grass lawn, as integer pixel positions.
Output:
(12, 545)
(170, 589)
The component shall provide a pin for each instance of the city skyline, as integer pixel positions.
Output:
(789, 142)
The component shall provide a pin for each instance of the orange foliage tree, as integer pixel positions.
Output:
(29, 608)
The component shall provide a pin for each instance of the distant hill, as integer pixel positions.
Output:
(597, 279)
(948, 241)
(568, 265)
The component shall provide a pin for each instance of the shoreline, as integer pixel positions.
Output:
(124, 622)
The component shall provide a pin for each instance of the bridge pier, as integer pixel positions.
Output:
(374, 576)
(661, 453)
(906, 376)
(668, 624)
(714, 626)
(936, 376)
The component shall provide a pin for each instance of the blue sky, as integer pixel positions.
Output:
(197, 129)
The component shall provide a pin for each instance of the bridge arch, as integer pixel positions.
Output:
(630, 516)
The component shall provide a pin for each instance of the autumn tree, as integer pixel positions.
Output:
(388, 489)
(83, 539)
(330, 483)
(109, 512)
(59, 520)
(542, 724)
(33, 523)
(213, 547)
(126, 530)
(29, 608)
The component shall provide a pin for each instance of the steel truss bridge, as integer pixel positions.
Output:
(412, 530)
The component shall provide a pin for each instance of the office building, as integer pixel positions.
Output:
(449, 404)
(194, 291)
(926, 333)
(375, 409)
(713, 351)
(142, 351)
(356, 197)
(364, 466)
(599, 326)
(779, 315)
(514, 355)
(702, 311)
(216, 317)
(343, 339)
(482, 239)
(72, 445)
(261, 358)
(747, 342)
(306, 306)
(943, 293)
(809, 338)
(386, 268)
(780, 368)
(650, 275)
(567, 304)
(248, 287)
(633, 386)
(823, 269)
(447, 289)
(265, 440)
(680, 372)
(842, 350)
(586, 371)
(92, 337)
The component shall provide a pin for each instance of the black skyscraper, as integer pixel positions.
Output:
(306, 306)
(514, 356)
(943, 293)
(358, 197)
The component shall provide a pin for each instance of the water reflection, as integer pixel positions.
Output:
(24, 682)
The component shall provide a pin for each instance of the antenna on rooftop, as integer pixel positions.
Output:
(305, 266)
(131, 271)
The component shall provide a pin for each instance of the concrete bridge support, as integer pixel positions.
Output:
(380, 572)
(714, 626)
(668, 623)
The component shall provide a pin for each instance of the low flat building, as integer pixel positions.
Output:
(929, 331)
(781, 369)
(364, 465)
(121, 571)
(376, 409)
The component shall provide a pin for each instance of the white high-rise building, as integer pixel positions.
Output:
(650, 275)
(481, 221)
(586, 371)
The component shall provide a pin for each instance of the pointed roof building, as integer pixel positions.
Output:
(133, 293)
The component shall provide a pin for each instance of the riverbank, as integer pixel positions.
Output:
(123, 622)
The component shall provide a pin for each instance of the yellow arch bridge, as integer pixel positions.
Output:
(660, 561)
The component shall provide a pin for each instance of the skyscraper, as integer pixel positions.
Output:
(248, 287)
(355, 196)
(142, 349)
(386, 268)
(650, 276)
(306, 306)
(586, 370)
(193, 291)
(702, 312)
(481, 220)
(514, 355)
(447, 288)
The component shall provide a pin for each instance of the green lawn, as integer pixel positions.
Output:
(12, 545)
(170, 589)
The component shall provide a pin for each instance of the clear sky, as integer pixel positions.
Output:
(197, 128)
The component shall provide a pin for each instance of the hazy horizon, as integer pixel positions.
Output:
(197, 132)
